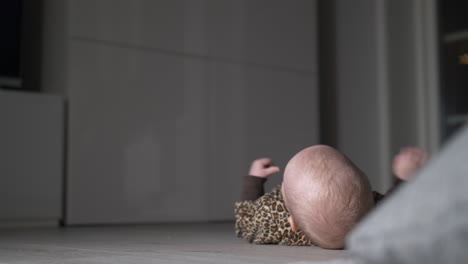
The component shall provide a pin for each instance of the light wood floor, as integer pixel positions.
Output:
(175, 243)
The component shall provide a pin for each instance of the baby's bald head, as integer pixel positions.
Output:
(326, 194)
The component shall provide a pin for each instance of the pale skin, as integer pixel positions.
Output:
(264, 168)
(408, 161)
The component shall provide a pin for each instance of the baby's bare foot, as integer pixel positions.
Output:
(409, 161)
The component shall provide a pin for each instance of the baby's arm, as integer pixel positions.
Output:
(408, 162)
(260, 170)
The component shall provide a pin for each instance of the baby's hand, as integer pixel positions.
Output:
(263, 168)
(409, 161)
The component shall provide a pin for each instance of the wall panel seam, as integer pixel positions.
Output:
(209, 58)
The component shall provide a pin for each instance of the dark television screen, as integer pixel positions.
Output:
(10, 38)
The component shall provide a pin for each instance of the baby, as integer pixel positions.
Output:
(323, 193)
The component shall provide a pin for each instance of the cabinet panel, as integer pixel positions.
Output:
(137, 136)
(271, 33)
(172, 25)
(267, 32)
(171, 100)
(163, 138)
(255, 113)
(31, 152)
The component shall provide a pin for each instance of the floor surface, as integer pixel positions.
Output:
(174, 243)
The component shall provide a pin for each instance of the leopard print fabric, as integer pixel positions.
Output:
(265, 221)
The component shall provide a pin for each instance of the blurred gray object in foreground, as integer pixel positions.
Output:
(426, 221)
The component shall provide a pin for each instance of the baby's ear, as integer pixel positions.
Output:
(293, 224)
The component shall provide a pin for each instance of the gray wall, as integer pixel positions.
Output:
(385, 81)
(361, 88)
(169, 101)
(402, 74)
